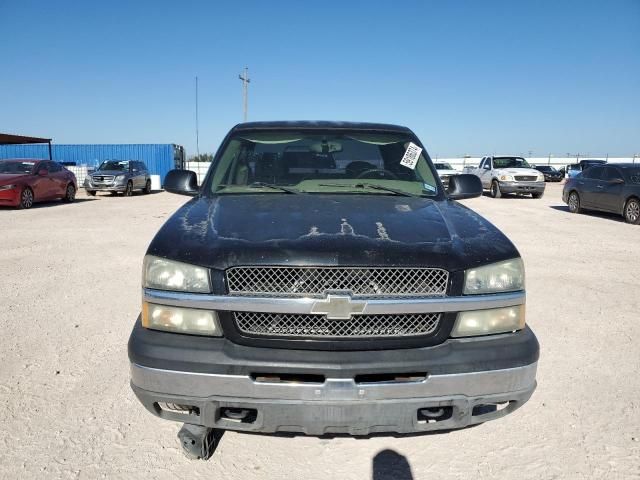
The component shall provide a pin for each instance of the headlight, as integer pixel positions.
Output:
(506, 178)
(181, 320)
(487, 322)
(166, 274)
(119, 178)
(505, 276)
(7, 187)
(541, 177)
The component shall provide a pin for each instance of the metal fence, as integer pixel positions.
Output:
(200, 168)
(458, 163)
(80, 173)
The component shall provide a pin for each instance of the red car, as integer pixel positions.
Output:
(25, 181)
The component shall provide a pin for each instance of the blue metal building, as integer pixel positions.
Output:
(159, 158)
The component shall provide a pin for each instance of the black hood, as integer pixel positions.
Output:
(318, 229)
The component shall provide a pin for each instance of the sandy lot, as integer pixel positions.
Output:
(70, 292)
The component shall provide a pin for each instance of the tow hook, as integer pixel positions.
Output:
(199, 442)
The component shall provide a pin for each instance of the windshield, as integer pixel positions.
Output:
(510, 162)
(442, 166)
(312, 162)
(122, 166)
(545, 168)
(18, 168)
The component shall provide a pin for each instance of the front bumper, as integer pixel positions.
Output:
(10, 198)
(104, 188)
(463, 376)
(522, 187)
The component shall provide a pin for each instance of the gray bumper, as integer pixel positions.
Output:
(522, 187)
(339, 405)
(105, 188)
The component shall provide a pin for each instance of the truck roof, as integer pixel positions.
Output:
(319, 125)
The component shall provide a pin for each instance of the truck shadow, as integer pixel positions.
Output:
(509, 196)
(389, 464)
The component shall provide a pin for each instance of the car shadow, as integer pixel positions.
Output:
(51, 203)
(390, 465)
(134, 194)
(591, 213)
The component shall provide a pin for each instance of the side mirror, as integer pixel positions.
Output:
(487, 166)
(182, 182)
(43, 172)
(464, 186)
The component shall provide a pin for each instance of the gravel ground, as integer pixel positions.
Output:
(70, 292)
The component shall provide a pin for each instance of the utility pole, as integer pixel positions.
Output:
(197, 133)
(245, 89)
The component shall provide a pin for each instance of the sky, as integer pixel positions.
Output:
(468, 77)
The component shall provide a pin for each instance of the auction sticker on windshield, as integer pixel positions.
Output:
(410, 157)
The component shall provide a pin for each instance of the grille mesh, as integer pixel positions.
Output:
(526, 178)
(318, 326)
(316, 281)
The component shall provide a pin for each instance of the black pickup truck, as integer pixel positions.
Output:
(323, 281)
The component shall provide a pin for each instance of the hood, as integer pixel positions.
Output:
(329, 230)
(519, 171)
(100, 173)
(9, 178)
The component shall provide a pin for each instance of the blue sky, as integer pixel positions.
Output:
(468, 77)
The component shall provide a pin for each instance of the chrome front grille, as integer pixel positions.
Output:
(526, 178)
(102, 178)
(317, 281)
(318, 326)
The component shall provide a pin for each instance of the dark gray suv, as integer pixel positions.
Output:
(119, 176)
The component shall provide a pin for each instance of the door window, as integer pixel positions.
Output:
(594, 173)
(611, 173)
(54, 167)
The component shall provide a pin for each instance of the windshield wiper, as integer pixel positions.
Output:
(373, 186)
(264, 185)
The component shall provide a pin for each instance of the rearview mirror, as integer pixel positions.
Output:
(182, 182)
(464, 186)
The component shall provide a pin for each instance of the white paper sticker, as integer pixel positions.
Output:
(410, 157)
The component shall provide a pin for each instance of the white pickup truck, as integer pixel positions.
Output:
(508, 174)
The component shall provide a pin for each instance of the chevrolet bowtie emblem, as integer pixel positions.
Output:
(338, 307)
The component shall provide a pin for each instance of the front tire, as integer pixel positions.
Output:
(495, 190)
(537, 195)
(70, 193)
(147, 187)
(91, 193)
(128, 191)
(26, 198)
(632, 211)
(574, 202)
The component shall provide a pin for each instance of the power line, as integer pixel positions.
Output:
(245, 90)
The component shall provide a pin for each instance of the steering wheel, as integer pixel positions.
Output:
(384, 172)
